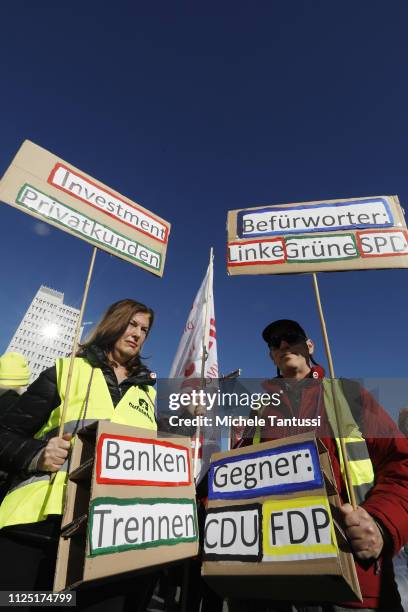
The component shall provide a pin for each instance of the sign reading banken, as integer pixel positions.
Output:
(44, 186)
(141, 461)
(354, 234)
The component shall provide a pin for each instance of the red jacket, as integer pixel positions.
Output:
(387, 501)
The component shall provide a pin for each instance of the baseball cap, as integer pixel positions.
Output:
(282, 325)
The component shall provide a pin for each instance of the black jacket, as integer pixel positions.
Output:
(20, 421)
(8, 398)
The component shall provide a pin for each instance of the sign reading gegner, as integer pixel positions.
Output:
(288, 469)
(357, 233)
(44, 186)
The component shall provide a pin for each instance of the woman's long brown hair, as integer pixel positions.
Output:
(113, 325)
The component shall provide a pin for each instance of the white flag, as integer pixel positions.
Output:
(199, 337)
(200, 324)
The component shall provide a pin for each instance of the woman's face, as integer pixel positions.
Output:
(131, 341)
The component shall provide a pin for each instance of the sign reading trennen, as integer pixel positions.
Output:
(116, 525)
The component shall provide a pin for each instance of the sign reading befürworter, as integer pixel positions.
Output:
(44, 186)
(141, 461)
(357, 233)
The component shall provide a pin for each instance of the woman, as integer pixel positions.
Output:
(109, 381)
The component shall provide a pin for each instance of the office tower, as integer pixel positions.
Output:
(46, 331)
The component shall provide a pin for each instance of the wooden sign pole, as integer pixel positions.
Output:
(204, 354)
(75, 345)
(336, 408)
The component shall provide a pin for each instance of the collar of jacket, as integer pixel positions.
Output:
(97, 358)
(316, 373)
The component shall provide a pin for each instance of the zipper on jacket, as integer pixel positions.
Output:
(120, 391)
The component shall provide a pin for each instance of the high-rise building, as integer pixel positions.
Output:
(46, 331)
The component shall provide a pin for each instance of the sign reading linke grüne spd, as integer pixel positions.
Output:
(48, 188)
(352, 234)
(269, 531)
(139, 505)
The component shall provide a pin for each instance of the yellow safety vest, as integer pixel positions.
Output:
(361, 468)
(31, 500)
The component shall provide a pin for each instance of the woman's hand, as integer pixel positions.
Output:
(54, 455)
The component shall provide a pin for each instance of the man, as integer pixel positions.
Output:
(109, 381)
(401, 559)
(14, 378)
(379, 526)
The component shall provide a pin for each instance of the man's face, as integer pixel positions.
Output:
(290, 351)
(131, 341)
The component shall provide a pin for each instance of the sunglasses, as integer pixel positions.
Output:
(275, 341)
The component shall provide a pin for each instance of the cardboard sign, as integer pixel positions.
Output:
(141, 461)
(311, 237)
(287, 469)
(130, 505)
(44, 186)
(298, 529)
(130, 524)
(234, 533)
(285, 544)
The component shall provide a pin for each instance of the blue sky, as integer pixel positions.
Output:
(193, 109)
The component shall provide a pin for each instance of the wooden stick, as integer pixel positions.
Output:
(75, 345)
(206, 334)
(336, 408)
(231, 376)
(184, 585)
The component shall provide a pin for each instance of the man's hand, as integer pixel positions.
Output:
(54, 454)
(362, 531)
(196, 410)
